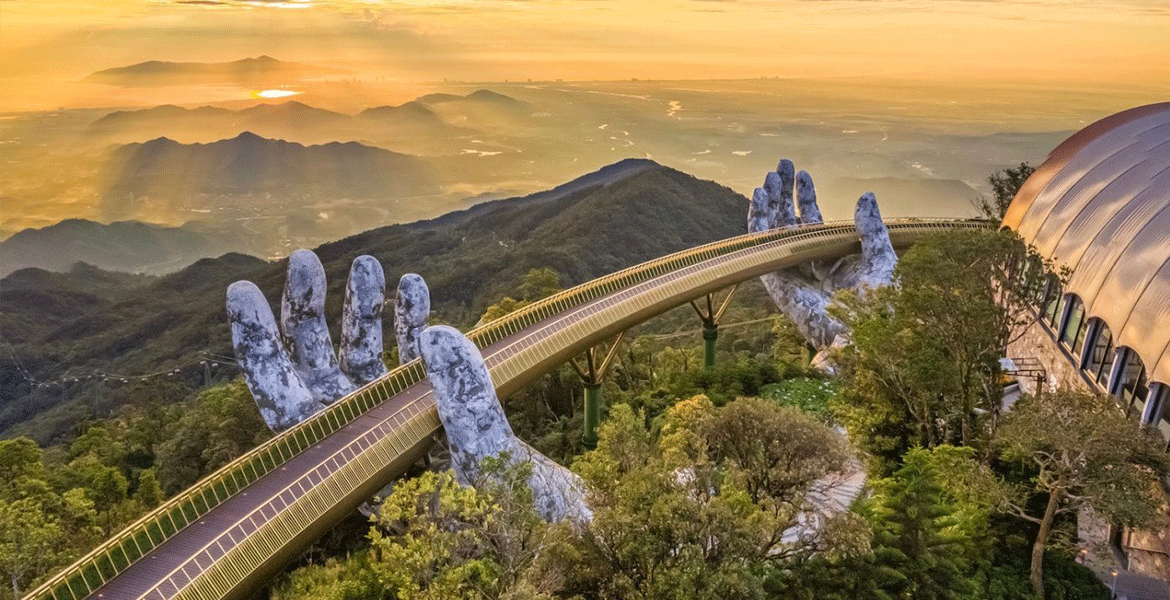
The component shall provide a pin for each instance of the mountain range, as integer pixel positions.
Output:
(418, 119)
(165, 176)
(247, 71)
(622, 215)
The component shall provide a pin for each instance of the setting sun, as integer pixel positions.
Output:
(275, 93)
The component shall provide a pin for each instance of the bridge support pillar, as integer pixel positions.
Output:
(710, 336)
(592, 414)
(591, 375)
(710, 318)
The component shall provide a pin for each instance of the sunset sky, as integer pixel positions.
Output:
(46, 46)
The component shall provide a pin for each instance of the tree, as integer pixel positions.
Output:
(779, 453)
(30, 541)
(20, 461)
(437, 539)
(703, 508)
(148, 494)
(536, 284)
(539, 283)
(506, 305)
(222, 423)
(39, 528)
(928, 349)
(1085, 453)
(1005, 185)
(917, 525)
(658, 531)
(929, 541)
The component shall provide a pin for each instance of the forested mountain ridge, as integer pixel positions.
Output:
(128, 246)
(634, 213)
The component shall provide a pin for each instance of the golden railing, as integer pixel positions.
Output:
(742, 257)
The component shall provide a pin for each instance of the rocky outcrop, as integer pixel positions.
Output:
(477, 428)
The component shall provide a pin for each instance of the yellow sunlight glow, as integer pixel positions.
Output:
(275, 93)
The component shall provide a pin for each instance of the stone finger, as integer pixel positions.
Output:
(466, 399)
(302, 323)
(477, 428)
(759, 218)
(785, 212)
(361, 321)
(878, 259)
(412, 308)
(806, 197)
(279, 392)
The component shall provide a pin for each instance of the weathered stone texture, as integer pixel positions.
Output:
(303, 328)
(281, 396)
(412, 308)
(804, 293)
(361, 321)
(806, 197)
(477, 428)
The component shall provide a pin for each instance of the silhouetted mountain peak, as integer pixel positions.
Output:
(247, 137)
(413, 109)
(494, 97)
(438, 98)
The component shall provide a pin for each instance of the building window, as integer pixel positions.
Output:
(1131, 387)
(1100, 360)
(1052, 301)
(1074, 325)
(1158, 414)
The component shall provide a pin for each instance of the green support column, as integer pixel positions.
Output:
(591, 375)
(592, 414)
(710, 336)
(710, 318)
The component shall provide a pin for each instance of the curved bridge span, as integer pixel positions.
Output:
(233, 530)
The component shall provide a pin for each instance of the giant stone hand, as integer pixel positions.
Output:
(805, 293)
(293, 373)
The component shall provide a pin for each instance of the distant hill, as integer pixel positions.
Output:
(624, 214)
(167, 175)
(247, 71)
(413, 115)
(478, 96)
(128, 246)
(59, 298)
(604, 176)
(479, 109)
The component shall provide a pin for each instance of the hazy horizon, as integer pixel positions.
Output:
(917, 100)
(47, 48)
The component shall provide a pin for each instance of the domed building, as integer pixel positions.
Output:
(1100, 207)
